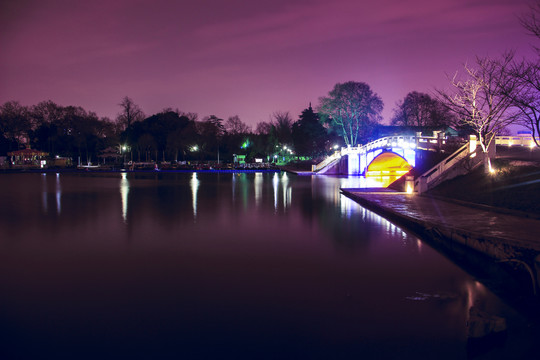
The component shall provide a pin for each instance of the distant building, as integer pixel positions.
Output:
(28, 158)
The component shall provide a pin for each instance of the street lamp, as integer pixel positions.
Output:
(123, 150)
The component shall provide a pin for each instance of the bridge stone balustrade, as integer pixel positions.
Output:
(519, 140)
(356, 160)
(446, 169)
(360, 157)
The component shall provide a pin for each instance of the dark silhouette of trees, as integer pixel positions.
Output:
(65, 131)
(77, 133)
(171, 135)
(262, 144)
(211, 131)
(46, 117)
(420, 109)
(161, 136)
(15, 124)
(351, 109)
(531, 21)
(130, 113)
(235, 126)
(309, 135)
(281, 127)
(263, 128)
(237, 137)
(146, 144)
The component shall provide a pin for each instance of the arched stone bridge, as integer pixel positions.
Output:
(391, 154)
(396, 155)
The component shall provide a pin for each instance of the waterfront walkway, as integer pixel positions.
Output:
(497, 234)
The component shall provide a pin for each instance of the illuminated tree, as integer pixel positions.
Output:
(351, 109)
(479, 99)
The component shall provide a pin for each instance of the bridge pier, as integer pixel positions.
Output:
(353, 164)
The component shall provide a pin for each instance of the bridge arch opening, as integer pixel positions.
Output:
(388, 163)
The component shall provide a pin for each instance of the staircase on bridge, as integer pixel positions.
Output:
(356, 160)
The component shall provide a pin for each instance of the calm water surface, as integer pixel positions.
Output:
(218, 265)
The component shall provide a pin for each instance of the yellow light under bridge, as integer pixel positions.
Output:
(388, 164)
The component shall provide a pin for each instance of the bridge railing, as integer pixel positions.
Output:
(401, 141)
(336, 155)
(515, 140)
(391, 141)
(423, 182)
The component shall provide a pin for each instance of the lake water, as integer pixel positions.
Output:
(216, 265)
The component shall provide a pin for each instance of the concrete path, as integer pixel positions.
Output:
(426, 212)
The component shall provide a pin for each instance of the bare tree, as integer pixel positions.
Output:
(191, 116)
(130, 113)
(420, 109)
(526, 96)
(282, 126)
(263, 128)
(235, 126)
(531, 21)
(15, 122)
(478, 99)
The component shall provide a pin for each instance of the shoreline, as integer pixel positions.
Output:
(502, 238)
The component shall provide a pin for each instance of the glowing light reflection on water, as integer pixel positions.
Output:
(272, 258)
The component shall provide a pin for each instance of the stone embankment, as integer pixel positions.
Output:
(500, 235)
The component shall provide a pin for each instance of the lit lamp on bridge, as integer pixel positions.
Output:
(409, 184)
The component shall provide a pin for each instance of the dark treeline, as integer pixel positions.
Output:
(171, 135)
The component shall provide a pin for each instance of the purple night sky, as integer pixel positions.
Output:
(242, 57)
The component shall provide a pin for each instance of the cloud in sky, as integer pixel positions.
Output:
(249, 58)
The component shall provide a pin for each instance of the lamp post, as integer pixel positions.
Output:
(123, 149)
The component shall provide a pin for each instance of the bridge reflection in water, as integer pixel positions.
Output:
(242, 260)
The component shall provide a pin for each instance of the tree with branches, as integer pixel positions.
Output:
(351, 109)
(235, 126)
(420, 109)
(130, 113)
(309, 135)
(282, 127)
(479, 102)
(526, 95)
(531, 21)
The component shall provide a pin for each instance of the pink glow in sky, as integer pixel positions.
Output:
(242, 57)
